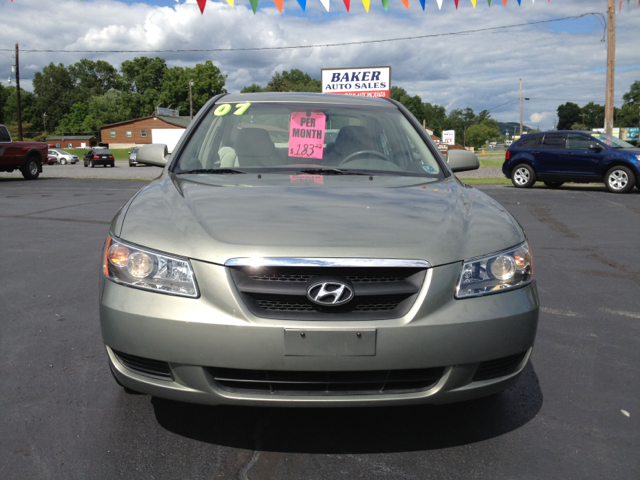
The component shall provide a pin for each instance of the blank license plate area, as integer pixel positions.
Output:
(329, 343)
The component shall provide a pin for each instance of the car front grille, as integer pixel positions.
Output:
(280, 292)
(276, 382)
(500, 367)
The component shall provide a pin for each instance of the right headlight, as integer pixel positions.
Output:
(138, 267)
(496, 273)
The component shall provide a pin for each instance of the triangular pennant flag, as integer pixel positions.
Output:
(385, 4)
(230, 2)
(201, 4)
(620, 6)
(254, 5)
(505, 2)
(303, 4)
(439, 4)
(490, 2)
(519, 2)
(473, 2)
(278, 4)
(422, 3)
(325, 3)
(347, 3)
(456, 3)
(365, 3)
(406, 3)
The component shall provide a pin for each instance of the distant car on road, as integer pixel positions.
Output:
(63, 156)
(132, 157)
(99, 156)
(573, 156)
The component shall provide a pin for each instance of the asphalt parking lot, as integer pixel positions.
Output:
(575, 413)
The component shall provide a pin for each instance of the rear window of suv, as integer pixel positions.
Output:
(530, 142)
(554, 140)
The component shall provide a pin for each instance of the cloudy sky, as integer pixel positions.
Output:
(557, 62)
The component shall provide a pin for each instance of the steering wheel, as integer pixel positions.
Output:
(354, 155)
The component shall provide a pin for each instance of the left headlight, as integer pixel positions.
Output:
(140, 268)
(496, 273)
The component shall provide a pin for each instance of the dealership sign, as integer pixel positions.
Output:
(363, 82)
(449, 137)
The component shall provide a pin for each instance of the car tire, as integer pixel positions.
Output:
(85, 164)
(113, 165)
(91, 164)
(554, 184)
(619, 179)
(131, 164)
(523, 175)
(30, 170)
(63, 162)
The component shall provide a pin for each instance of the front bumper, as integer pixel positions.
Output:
(217, 330)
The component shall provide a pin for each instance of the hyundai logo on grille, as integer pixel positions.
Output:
(330, 293)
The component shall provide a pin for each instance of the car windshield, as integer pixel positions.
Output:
(315, 137)
(63, 152)
(102, 151)
(611, 141)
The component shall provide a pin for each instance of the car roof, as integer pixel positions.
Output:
(297, 97)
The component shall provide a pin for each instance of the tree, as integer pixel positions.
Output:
(633, 95)
(253, 88)
(579, 126)
(143, 76)
(4, 93)
(73, 121)
(568, 114)
(55, 92)
(112, 107)
(94, 78)
(293, 81)
(593, 115)
(434, 116)
(478, 133)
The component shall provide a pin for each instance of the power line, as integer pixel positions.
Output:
(364, 42)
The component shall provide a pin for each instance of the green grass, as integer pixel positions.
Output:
(488, 162)
(485, 180)
(118, 153)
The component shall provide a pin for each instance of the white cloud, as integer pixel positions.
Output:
(476, 70)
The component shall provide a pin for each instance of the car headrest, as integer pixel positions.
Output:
(254, 142)
(353, 138)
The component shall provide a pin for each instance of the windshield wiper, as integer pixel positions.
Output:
(216, 171)
(330, 171)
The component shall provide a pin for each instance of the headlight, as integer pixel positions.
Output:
(496, 273)
(135, 267)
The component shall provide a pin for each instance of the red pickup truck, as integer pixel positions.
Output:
(25, 156)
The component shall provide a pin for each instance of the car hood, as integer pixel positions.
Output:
(355, 217)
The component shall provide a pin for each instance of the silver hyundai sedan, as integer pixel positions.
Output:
(272, 265)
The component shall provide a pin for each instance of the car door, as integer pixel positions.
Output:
(7, 157)
(551, 156)
(582, 161)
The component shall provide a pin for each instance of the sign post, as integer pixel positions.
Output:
(361, 81)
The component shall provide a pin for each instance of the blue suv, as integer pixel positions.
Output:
(572, 156)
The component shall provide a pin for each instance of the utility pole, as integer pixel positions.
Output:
(44, 120)
(521, 107)
(611, 66)
(18, 93)
(190, 99)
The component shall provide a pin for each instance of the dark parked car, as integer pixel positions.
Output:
(51, 159)
(99, 156)
(572, 156)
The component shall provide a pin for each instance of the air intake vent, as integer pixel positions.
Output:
(498, 368)
(145, 366)
(277, 382)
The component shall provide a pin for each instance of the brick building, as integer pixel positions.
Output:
(140, 131)
(72, 141)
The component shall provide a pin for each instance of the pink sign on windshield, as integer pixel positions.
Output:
(306, 134)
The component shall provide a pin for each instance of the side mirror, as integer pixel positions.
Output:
(596, 147)
(155, 154)
(462, 160)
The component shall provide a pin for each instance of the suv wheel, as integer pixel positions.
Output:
(523, 176)
(30, 169)
(619, 179)
(91, 164)
(554, 184)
